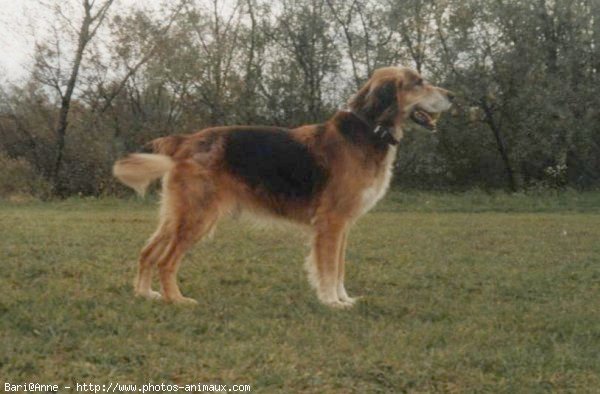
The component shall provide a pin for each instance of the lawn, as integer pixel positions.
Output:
(461, 293)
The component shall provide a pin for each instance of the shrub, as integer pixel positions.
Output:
(19, 178)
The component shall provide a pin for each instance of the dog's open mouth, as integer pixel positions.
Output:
(424, 118)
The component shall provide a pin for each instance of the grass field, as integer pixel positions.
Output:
(461, 293)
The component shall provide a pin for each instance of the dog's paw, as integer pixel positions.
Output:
(344, 297)
(150, 295)
(349, 300)
(184, 301)
(338, 304)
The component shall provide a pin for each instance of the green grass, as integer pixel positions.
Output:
(464, 293)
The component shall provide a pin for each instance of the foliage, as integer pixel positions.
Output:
(18, 179)
(526, 74)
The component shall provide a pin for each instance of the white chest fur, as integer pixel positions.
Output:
(377, 189)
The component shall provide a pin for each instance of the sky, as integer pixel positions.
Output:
(14, 46)
(20, 20)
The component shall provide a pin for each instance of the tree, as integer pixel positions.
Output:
(48, 67)
(526, 74)
(304, 34)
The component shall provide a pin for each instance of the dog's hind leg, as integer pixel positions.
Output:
(148, 257)
(189, 229)
(191, 210)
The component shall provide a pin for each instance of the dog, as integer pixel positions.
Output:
(322, 176)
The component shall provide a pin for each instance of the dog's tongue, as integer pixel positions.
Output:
(424, 119)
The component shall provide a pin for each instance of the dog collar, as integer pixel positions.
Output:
(384, 133)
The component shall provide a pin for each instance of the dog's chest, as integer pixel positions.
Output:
(380, 183)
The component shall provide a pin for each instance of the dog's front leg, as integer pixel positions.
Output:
(341, 290)
(325, 255)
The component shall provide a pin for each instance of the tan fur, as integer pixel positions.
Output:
(198, 190)
(139, 169)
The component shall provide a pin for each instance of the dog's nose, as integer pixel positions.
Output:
(450, 95)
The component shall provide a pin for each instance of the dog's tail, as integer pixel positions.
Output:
(139, 169)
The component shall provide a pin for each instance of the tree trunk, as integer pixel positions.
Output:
(85, 35)
(513, 183)
(61, 127)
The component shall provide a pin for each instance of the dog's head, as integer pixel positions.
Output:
(394, 94)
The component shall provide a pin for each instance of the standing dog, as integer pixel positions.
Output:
(322, 176)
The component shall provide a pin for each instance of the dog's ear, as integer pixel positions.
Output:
(382, 96)
(382, 102)
(377, 100)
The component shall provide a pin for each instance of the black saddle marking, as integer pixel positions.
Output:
(270, 159)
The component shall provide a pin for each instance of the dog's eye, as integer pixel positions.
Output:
(419, 82)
